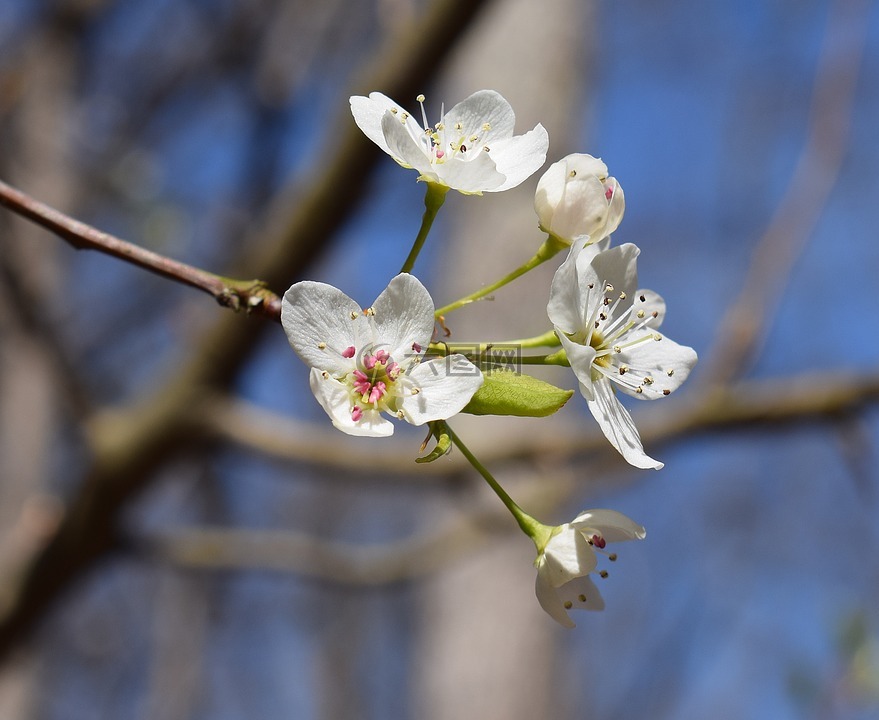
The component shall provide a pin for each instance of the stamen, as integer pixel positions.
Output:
(612, 557)
(581, 597)
(416, 347)
(348, 352)
(568, 604)
(598, 541)
(356, 414)
(666, 392)
(608, 194)
(603, 573)
(321, 346)
(354, 316)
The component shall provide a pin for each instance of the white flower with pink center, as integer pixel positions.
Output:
(471, 148)
(563, 568)
(368, 362)
(608, 328)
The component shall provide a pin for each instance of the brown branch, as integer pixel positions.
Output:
(131, 446)
(253, 295)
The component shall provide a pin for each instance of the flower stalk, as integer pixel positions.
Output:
(433, 201)
(550, 248)
(537, 531)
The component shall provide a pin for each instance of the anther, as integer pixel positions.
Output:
(603, 573)
(612, 557)
(420, 98)
(404, 117)
(640, 314)
(486, 148)
(622, 295)
(655, 313)
(657, 337)
(590, 285)
(608, 194)
(348, 352)
(648, 380)
(463, 148)
(639, 389)
(321, 346)
(458, 126)
(606, 301)
(642, 298)
(670, 372)
(400, 415)
(624, 369)
(598, 541)
(415, 391)
(416, 347)
(608, 288)
(568, 604)
(486, 126)
(474, 138)
(325, 375)
(393, 111)
(666, 392)
(353, 315)
(573, 173)
(602, 316)
(581, 597)
(617, 349)
(369, 312)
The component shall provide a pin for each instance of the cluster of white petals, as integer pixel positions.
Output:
(470, 149)
(608, 328)
(368, 362)
(563, 568)
(575, 197)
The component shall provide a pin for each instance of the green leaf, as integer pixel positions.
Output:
(439, 431)
(509, 393)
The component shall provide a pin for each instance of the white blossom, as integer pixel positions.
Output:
(609, 331)
(368, 362)
(576, 197)
(563, 568)
(470, 149)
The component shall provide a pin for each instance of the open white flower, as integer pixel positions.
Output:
(576, 197)
(608, 329)
(366, 362)
(563, 568)
(471, 149)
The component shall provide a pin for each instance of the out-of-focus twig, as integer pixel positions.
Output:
(816, 173)
(754, 403)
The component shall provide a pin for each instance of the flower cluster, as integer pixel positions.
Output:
(368, 365)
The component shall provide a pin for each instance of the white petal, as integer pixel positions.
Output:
(403, 316)
(613, 526)
(403, 147)
(617, 206)
(445, 386)
(518, 158)
(566, 304)
(549, 599)
(483, 106)
(581, 358)
(617, 266)
(472, 177)
(335, 398)
(315, 314)
(368, 113)
(652, 303)
(568, 555)
(664, 361)
(617, 426)
(582, 594)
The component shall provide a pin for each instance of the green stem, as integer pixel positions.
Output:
(559, 357)
(548, 339)
(550, 248)
(531, 527)
(433, 201)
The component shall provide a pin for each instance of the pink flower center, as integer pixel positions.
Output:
(372, 380)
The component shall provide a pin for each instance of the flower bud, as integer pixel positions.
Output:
(576, 197)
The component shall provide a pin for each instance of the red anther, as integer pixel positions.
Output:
(356, 414)
(348, 352)
(608, 194)
(598, 541)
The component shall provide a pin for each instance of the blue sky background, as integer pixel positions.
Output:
(761, 545)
